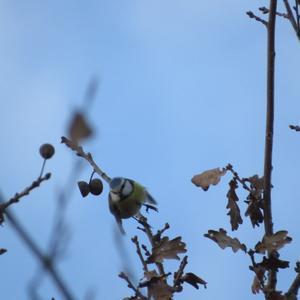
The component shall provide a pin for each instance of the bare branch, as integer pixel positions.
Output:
(179, 273)
(297, 14)
(258, 19)
(272, 278)
(292, 18)
(25, 192)
(44, 260)
(147, 229)
(229, 167)
(137, 292)
(87, 156)
(265, 10)
(296, 128)
(139, 252)
(294, 288)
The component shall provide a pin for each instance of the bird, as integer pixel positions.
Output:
(126, 198)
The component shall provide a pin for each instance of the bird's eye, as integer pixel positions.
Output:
(116, 183)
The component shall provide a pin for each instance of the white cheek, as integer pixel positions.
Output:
(114, 197)
(127, 189)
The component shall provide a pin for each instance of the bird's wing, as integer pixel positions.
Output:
(150, 199)
(115, 211)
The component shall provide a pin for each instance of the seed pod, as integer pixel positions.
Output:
(96, 186)
(47, 151)
(83, 188)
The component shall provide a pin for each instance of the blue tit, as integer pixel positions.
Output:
(126, 198)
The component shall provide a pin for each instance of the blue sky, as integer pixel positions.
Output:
(182, 91)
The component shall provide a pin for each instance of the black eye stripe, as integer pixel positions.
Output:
(122, 186)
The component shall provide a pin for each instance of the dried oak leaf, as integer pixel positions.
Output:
(274, 263)
(209, 177)
(259, 278)
(234, 210)
(157, 286)
(254, 200)
(273, 242)
(277, 295)
(291, 297)
(193, 280)
(167, 249)
(223, 240)
(256, 286)
(254, 210)
(79, 128)
(256, 184)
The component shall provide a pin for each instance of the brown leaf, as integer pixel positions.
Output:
(256, 286)
(167, 249)
(277, 295)
(157, 286)
(254, 210)
(193, 280)
(256, 184)
(79, 128)
(273, 242)
(274, 263)
(205, 179)
(223, 240)
(254, 200)
(150, 274)
(234, 210)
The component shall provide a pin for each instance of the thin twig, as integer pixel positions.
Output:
(139, 252)
(268, 223)
(258, 19)
(37, 252)
(259, 271)
(292, 18)
(43, 168)
(296, 128)
(265, 10)
(25, 192)
(294, 288)
(229, 167)
(147, 229)
(161, 231)
(131, 286)
(179, 273)
(87, 156)
(90, 94)
(297, 14)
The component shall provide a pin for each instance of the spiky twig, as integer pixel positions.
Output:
(147, 229)
(292, 18)
(294, 288)
(87, 156)
(255, 17)
(16, 198)
(138, 294)
(179, 273)
(139, 252)
(44, 260)
(295, 127)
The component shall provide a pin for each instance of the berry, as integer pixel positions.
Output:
(83, 188)
(96, 186)
(47, 151)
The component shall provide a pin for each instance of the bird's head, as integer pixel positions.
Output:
(120, 186)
